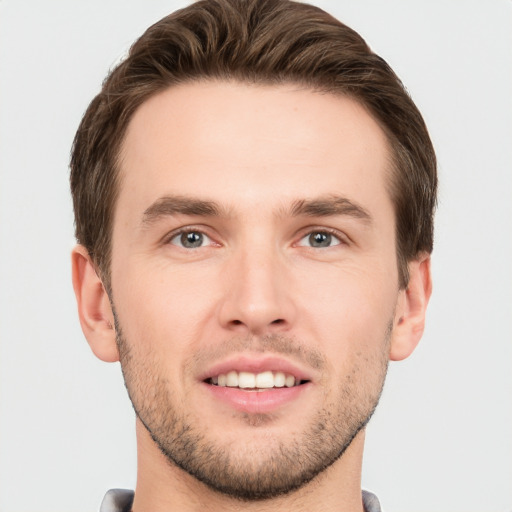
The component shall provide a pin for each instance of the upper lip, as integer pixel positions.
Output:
(256, 364)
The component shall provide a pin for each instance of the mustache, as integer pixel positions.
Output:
(275, 344)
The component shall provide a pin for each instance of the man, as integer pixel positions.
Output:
(254, 195)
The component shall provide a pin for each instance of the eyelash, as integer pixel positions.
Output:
(342, 239)
(183, 231)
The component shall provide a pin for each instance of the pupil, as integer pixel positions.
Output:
(191, 239)
(320, 239)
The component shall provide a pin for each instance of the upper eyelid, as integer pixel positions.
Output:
(300, 234)
(186, 229)
(340, 235)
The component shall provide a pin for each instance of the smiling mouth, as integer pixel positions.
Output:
(248, 381)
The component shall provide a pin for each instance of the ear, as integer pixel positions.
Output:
(409, 321)
(94, 310)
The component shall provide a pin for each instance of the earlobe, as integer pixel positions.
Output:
(409, 322)
(94, 310)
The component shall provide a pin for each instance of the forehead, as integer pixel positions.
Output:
(244, 145)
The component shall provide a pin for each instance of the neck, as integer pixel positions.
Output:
(163, 487)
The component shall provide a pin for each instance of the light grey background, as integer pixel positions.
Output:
(442, 437)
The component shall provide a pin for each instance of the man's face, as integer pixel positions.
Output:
(254, 279)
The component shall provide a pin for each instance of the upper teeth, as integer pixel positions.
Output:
(264, 380)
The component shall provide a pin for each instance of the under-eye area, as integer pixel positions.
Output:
(255, 381)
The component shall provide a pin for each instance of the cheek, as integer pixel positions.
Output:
(353, 329)
(162, 308)
(349, 311)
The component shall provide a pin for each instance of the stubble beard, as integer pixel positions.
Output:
(272, 467)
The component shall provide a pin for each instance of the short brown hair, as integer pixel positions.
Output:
(252, 41)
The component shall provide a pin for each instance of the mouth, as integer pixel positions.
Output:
(257, 385)
(262, 381)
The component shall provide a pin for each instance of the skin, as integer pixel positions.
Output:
(256, 286)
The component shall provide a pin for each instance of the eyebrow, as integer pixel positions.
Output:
(330, 206)
(318, 207)
(181, 205)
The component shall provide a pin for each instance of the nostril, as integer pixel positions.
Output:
(257, 326)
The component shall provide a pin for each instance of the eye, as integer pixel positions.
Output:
(190, 239)
(319, 240)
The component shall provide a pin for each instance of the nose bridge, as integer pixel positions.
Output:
(256, 298)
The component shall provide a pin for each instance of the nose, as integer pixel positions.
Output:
(257, 297)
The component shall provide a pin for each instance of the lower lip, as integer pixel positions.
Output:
(256, 402)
